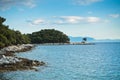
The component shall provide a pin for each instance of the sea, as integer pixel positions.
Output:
(100, 61)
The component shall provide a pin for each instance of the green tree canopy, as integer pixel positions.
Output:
(48, 36)
(11, 37)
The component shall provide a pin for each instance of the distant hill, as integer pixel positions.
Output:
(108, 40)
(79, 39)
(90, 39)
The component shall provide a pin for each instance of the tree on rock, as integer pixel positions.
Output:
(84, 40)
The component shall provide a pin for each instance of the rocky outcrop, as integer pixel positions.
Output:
(81, 43)
(20, 48)
(13, 63)
(8, 59)
(16, 48)
(8, 63)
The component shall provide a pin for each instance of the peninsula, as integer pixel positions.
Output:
(12, 41)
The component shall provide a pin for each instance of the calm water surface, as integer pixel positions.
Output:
(72, 62)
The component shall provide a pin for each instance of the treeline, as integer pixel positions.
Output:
(48, 36)
(11, 37)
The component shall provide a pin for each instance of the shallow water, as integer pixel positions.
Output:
(72, 62)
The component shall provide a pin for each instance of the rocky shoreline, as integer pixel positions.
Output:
(16, 48)
(9, 62)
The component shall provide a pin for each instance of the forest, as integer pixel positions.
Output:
(49, 36)
(13, 37)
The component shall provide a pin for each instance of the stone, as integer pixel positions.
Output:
(9, 62)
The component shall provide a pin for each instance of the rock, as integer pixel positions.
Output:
(3, 56)
(8, 59)
(12, 63)
(16, 48)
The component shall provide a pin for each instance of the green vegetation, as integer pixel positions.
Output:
(84, 40)
(11, 37)
(48, 36)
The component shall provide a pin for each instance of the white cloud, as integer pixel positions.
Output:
(114, 15)
(36, 22)
(77, 20)
(6, 4)
(86, 2)
(93, 19)
(71, 19)
(29, 3)
(66, 20)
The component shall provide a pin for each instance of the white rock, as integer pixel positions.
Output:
(8, 60)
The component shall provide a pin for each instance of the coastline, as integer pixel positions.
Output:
(16, 48)
(9, 62)
(71, 43)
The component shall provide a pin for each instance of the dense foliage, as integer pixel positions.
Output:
(48, 36)
(11, 37)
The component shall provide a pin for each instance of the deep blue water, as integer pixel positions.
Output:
(72, 62)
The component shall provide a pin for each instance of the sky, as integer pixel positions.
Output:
(99, 19)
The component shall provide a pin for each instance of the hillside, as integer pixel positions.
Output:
(48, 36)
(11, 37)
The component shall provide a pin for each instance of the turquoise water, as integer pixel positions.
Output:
(72, 62)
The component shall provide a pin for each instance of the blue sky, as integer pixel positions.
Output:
(99, 19)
